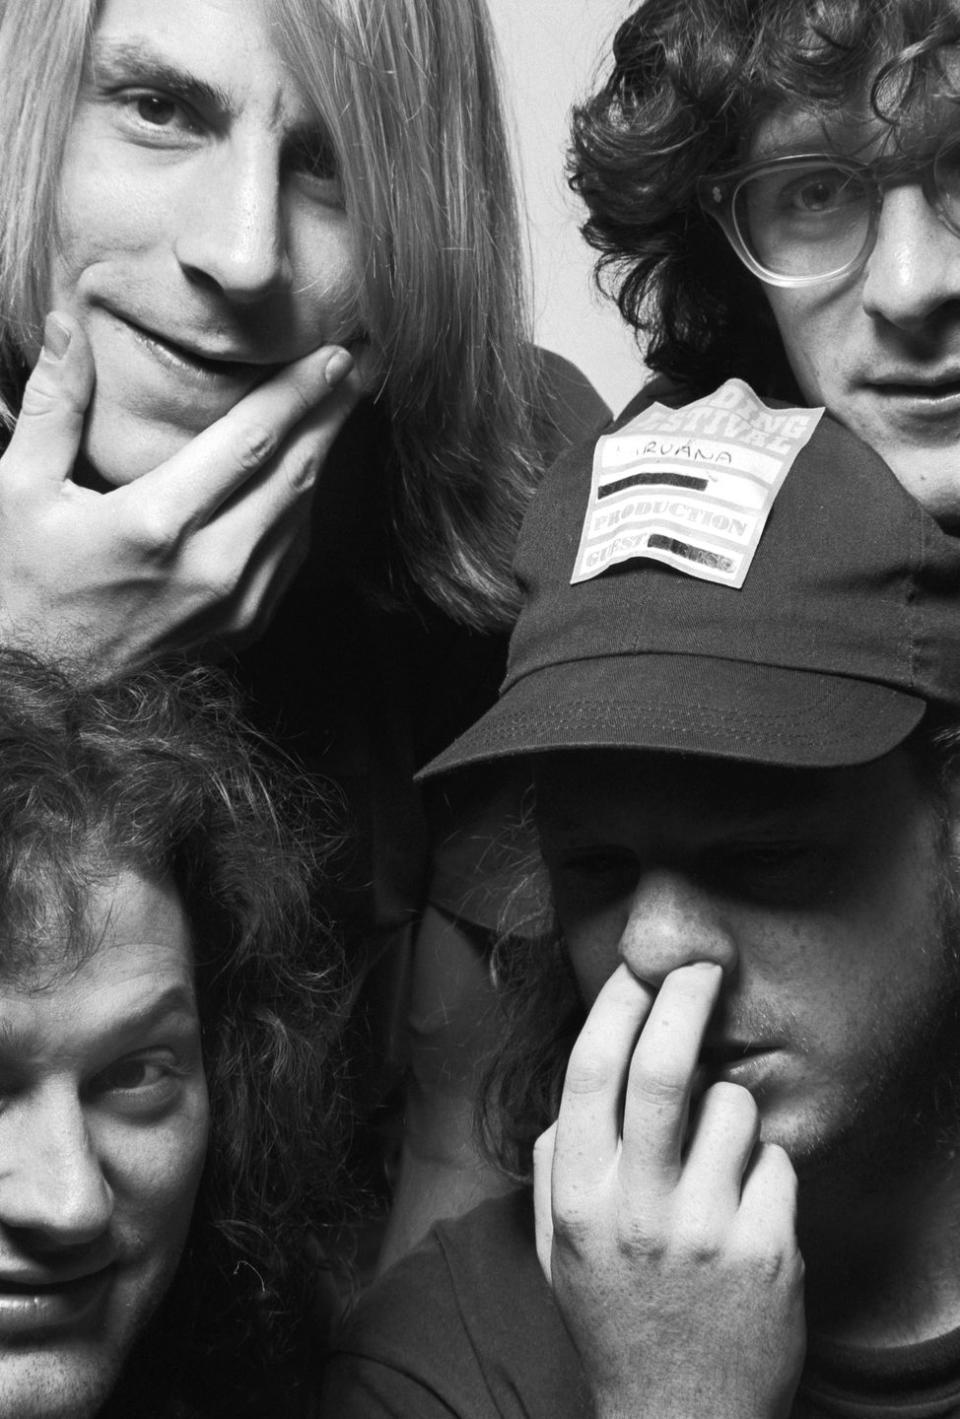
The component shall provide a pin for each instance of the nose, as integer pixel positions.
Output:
(674, 921)
(914, 267)
(52, 1185)
(231, 230)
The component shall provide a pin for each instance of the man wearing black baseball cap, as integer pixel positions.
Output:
(735, 686)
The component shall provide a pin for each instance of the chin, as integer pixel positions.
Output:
(932, 481)
(55, 1387)
(120, 448)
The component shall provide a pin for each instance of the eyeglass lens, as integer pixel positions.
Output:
(805, 220)
(811, 219)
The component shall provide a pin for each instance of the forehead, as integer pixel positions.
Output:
(791, 129)
(695, 800)
(232, 47)
(855, 128)
(135, 941)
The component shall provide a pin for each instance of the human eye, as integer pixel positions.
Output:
(788, 871)
(138, 1083)
(822, 191)
(594, 870)
(156, 117)
(313, 161)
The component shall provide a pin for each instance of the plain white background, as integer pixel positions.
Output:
(552, 53)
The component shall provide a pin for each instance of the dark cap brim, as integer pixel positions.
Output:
(690, 705)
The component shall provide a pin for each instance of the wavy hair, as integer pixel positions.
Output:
(691, 80)
(157, 775)
(408, 91)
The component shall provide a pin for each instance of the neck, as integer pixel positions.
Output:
(882, 1254)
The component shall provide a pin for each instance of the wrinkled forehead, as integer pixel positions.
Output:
(57, 914)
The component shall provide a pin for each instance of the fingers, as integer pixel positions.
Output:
(722, 1145)
(662, 1073)
(588, 1137)
(543, 1154)
(44, 445)
(254, 438)
(769, 1198)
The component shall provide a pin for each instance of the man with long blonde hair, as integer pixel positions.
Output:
(263, 257)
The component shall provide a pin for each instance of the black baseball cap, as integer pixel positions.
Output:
(845, 629)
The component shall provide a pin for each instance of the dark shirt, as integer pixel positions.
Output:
(465, 1327)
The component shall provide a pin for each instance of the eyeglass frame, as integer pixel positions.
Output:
(717, 194)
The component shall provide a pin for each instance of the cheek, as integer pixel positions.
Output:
(103, 209)
(326, 276)
(162, 1172)
(811, 333)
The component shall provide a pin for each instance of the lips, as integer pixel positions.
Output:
(32, 1307)
(718, 1056)
(228, 363)
(909, 385)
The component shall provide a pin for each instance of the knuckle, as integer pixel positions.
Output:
(154, 534)
(696, 1240)
(572, 1226)
(659, 1087)
(769, 1267)
(586, 1076)
(644, 1239)
(256, 446)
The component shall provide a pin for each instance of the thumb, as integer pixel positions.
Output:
(543, 1151)
(46, 439)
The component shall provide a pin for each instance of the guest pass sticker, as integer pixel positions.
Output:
(691, 487)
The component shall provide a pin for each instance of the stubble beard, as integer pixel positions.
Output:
(905, 1119)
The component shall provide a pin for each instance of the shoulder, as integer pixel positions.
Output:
(464, 1326)
(576, 459)
(571, 407)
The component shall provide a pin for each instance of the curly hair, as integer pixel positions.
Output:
(691, 80)
(157, 774)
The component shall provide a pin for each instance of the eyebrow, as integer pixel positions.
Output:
(176, 1002)
(118, 61)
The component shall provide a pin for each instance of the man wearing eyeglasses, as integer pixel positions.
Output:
(777, 187)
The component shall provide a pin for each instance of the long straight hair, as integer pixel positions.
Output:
(408, 91)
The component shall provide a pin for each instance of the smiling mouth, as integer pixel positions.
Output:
(171, 352)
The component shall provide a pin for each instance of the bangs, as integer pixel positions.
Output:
(901, 58)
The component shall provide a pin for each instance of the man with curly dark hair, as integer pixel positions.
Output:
(169, 1002)
(774, 188)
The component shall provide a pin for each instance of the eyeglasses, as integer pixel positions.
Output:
(798, 221)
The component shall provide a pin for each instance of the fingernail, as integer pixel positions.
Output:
(339, 366)
(56, 337)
